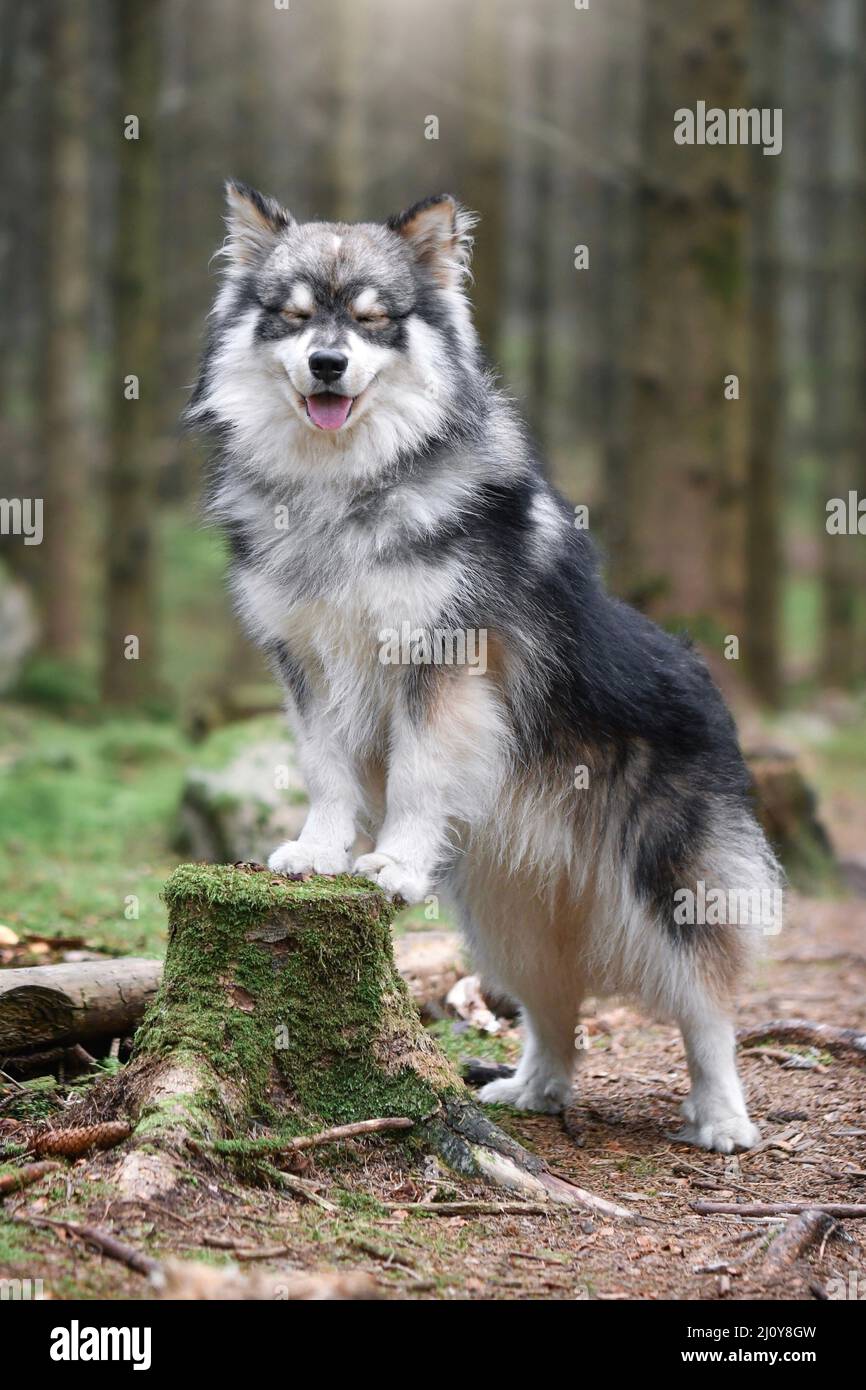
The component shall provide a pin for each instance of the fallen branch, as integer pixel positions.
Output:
(311, 1141)
(538, 1259)
(23, 1177)
(820, 1035)
(369, 1247)
(262, 1252)
(803, 1230)
(105, 1243)
(328, 1136)
(846, 1210)
(791, 1061)
(473, 1208)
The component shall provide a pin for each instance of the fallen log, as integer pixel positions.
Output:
(52, 1004)
(281, 1008)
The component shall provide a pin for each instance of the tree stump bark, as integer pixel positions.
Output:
(787, 807)
(281, 1008)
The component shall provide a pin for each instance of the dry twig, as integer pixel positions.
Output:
(846, 1210)
(105, 1243)
(23, 1177)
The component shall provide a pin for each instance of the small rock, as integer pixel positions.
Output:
(239, 812)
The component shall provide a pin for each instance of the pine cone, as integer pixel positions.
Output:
(71, 1143)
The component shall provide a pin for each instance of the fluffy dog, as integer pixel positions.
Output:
(462, 687)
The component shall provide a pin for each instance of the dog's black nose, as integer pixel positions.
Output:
(327, 364)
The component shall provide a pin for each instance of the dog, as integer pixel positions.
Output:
(564, 791)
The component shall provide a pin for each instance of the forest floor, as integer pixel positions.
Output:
(617, 1139)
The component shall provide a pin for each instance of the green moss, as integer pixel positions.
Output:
(720, 264)
(37, 1099)
(84, 812)
(196, 1114)
(13, 1242)
(461, 1044)
(288, 990)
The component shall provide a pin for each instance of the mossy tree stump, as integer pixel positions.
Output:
(281, 1008)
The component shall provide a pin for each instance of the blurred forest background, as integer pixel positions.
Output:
(556, 124)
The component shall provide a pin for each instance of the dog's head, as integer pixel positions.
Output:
(338, 325)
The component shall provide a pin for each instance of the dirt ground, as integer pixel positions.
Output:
(617, 1139)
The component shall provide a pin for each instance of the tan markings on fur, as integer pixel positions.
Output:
(433, 235)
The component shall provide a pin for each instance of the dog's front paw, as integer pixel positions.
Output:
(720, 1131)
(395, 879)
(547, 1097)
(296, 857)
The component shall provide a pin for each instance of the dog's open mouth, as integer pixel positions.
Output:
(329, 411)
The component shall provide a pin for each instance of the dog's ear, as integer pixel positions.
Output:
(254, 222)
(438, 233)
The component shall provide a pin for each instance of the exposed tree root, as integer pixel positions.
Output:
(801, 1232)
(839, 1041)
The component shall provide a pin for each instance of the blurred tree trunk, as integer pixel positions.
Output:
(542, 283)
(25, 118)
(616, 301)
(130, 673)
(572, 192)
(348, 142)
(521, 150)
(840, 401)
(684, 476)
(485, 67)
(762, 631)
(65, 434)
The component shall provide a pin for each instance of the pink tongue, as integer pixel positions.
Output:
(328, 411)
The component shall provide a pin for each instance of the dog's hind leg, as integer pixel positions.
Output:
(715, 1111)
(694, 970)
